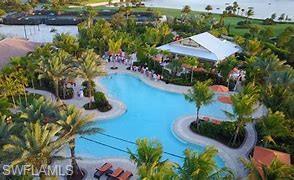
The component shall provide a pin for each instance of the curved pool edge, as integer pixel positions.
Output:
(231, 157)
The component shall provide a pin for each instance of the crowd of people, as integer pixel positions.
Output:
(121, 59)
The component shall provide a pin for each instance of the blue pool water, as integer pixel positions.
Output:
(150, 113)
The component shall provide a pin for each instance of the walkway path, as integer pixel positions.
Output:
(229, 155)
(118, 108)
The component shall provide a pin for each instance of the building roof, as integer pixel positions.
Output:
(204, 46)
(14, 47)
(265, 156)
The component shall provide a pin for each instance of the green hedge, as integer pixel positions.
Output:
(101, 102)
(223, 132)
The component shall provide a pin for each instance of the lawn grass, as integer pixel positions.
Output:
(231, 21)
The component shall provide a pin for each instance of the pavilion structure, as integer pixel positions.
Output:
(204, 46)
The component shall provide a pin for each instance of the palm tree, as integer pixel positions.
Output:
(243, 104)
(273, 125)
(164, 31)
(149, 153)
(39, 110)
(203, 166)
(89, 68)
(175, 67)
(162, 172)
(185, 11)
(67, 43)
(208, 8)
(148, 156)
(201, 95)
(72, 122)
(253, 47)
(235, 7)
(4, 105)
(6, 130)
(276, 170)
(193, 63)
(55, 69)
(91, 12)
(249, 13)
(114, 46)
(36, 146)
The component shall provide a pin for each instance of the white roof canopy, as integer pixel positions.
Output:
(203, 46)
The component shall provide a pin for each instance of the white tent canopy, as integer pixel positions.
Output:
(204, 46)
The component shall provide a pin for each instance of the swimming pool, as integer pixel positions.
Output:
(150, 113)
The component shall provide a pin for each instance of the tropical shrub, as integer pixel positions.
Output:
(86, 89)
(222, 132)
(100, 102)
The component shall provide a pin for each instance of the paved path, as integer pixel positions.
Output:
(229, 155)
(118, 108)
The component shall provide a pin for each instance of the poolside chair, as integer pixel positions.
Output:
(115, 173)
(125, 176)
(104, 169)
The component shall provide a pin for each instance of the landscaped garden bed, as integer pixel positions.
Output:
(100, 102)
(223, 132)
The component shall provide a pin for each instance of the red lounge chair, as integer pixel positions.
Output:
(105, 168)
(125, 176)
(115, 173)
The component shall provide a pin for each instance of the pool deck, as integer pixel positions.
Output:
(90, 165)
(180, 126)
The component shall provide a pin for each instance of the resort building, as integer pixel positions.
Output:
(263, 157)
(15, 47)
(204, 46)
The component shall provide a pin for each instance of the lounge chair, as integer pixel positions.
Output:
(115, 173)
(104, 169)
(125, 176)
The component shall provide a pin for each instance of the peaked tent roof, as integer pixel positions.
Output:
(221, 49)
(213, 48)
(13, 47)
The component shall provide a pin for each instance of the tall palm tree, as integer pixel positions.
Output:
(243, 107)
(147, 157)
(276, 170)
(66, 42)
(249, 13)
(4, 105)
(91, 12)
(36, 146)
(193, 63)
(89, 68)
(273, 125)
(185, 11)
(55, 69)
(39, 110)
(208, 8)
(73, 122)
(200, 95)
(203, 166)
